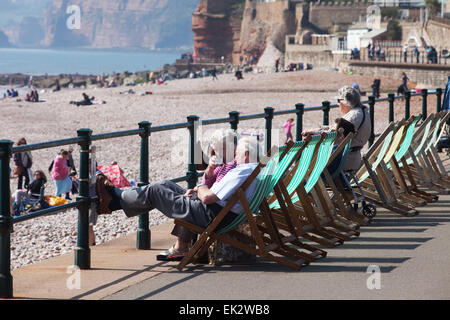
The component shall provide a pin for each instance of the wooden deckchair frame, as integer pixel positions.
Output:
(404, 193)
(258, 243)
(341, 210)
(414, 167)
(373, 175)
(428, 168)
(305, 219)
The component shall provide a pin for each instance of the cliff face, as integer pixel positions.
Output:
(120, 23)
(4, 42)
(216, 25)
(235, 28)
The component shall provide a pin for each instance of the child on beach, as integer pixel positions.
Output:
(287, 127)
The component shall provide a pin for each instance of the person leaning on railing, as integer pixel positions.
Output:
(354, 111)
(171, 199)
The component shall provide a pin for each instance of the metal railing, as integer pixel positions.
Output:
(397, 56)
(85, 138)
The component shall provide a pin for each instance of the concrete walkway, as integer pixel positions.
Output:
(412, 254)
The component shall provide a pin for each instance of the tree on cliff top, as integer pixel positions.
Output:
(394, 30)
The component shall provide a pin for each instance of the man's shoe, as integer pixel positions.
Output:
(104, 197)
(172, 255)
(108, 183)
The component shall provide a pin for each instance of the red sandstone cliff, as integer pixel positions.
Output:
(216, 25)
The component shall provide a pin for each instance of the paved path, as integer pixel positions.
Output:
(412, 253)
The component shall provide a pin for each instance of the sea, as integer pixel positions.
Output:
(80, 61)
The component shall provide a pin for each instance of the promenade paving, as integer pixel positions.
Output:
(412, 254)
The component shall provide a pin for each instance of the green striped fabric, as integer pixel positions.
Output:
(406, 141)
(435, 134)
(344, 156)
(322, 160)
(267, 180)
(299, 175)
(421, 144)
(381, 154)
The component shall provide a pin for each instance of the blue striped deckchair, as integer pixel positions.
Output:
(265, 243)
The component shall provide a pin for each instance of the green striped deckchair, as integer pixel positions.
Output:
(430, 156)
(404, 193)
(376, 186)
(333, 207)
(302, 167)
(304, 218)
(267, 177)
(414, 166)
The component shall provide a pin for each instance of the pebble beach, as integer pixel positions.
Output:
(45, 237)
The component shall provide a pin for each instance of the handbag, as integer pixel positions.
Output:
(17, 171)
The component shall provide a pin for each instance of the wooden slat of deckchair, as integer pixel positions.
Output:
(332, 213)
(349, 212)
(328, 222)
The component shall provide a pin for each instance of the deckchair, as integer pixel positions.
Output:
(306, 219)
(336, 203)
(372, 175)
(412, 164)
(266, 243)
(332, 211)
(403, 192)
(432, 171)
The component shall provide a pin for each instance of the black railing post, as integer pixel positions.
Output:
(300, 111)
(424, 104)
(407, 104)
(6, 221)
(82, 251)
(438, 99)
(143, 237)
(234, 116)
(192, 174)
(326, 113)
(391, 99)
(372, 120)
(269, 117)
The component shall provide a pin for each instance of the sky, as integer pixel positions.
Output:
(15, 10)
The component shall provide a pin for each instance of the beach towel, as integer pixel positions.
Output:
(115, 174)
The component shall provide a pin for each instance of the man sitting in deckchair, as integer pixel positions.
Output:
(173, 201)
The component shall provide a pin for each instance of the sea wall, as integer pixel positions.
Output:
(430, 75)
